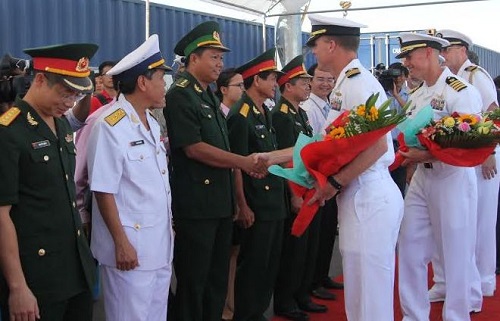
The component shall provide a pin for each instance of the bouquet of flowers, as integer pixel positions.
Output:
(460, 139)
(348, 135)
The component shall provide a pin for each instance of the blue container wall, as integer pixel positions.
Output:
(118, 27)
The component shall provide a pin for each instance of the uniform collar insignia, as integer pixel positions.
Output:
(255, 110)
(31, 120)
(68, 138)
(198, 89)
(134, 119)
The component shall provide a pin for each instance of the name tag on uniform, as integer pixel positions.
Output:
(259, 126)
(137, 142)
(40, 144)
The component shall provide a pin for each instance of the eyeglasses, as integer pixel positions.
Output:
(241, 85)
(323, 79)
(72, 98)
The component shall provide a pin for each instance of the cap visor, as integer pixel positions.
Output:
(403, 54)
(164, 67)
(83, 85)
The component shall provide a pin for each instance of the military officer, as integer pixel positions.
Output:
(128, 174)
(370, 204)
(48, 270)
(437, 192)
(298, 253)
(202, 180)
(261, 202)
(484, 279)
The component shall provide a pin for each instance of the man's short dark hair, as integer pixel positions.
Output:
(198, 52)
(128, 86)
(347, 42)
(262, 75)
(403, 69)
(292, 81)
(104, 64)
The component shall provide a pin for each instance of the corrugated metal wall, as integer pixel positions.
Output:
(118, 27)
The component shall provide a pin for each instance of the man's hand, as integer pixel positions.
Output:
(255, 166)
(489, 167)
(126, 256)
(23, 305)
(416, 155)
(245, 216)
(296, 203)
(323, 194)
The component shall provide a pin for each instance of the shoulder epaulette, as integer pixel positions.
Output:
(416, 88)
(115, 117)
(454, 83)
(244, 110)
(471, 68)
(352, 72)
(182, 82)
(284, 108)
(8, 117)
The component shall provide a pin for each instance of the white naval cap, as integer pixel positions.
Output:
(145, 57)
(455, 37)
(410, 41)
(322, 26)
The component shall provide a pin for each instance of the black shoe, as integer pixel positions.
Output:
(497, 271)
(322, 293)
(294, 315)
(330, 284)
(312, 307)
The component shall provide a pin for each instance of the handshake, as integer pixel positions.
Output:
(256, 165)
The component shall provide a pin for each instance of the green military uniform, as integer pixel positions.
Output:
(251, 131)
(37, 171)
(202, 195)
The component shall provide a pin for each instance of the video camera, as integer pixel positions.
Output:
(387, 77)
(15, 78)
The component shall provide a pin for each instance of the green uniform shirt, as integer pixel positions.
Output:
(289, 123)
(193, 115)
(37, 170)
(250, 131)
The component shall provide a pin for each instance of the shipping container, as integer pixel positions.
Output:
(118, 26)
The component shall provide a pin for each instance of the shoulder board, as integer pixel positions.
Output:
(416, 88)
(352, 72)
(244, 110)
(115, 117)
(9, 116)
(471, 68)
(182, 82)
(284, 108)
(456, 84)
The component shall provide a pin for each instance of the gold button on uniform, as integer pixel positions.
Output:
(67, 177)
(41, 252)
(74, 204)
(60, 149)
(163, 172)
(78, 233)
(209, 116)
(262, 136)
(207, 181)
(46, 158)
(266, 187)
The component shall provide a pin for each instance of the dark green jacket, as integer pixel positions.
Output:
(250, 131)
(193, 115)
(289, 123)
(37, 170)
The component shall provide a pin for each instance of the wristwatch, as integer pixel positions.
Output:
(335, 184)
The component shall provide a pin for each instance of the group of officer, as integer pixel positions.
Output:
(217, 170)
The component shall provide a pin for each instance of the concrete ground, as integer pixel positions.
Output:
(335, 269)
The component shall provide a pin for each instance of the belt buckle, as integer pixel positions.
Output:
(428, 165)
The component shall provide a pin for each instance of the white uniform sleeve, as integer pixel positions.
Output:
(486, 88)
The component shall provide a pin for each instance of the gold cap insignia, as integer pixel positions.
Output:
(216, 36)
(31, 120)
(82, 65)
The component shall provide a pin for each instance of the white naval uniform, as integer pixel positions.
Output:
(370, 213)
(313, 107)
(128, 161)
(439, 206)
(483, 278)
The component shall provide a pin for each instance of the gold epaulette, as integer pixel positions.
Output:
(352, 72)
(284, 108)
(244, 110)
(182, 82)
(8, 117)
(456, 84)
(416, 88)
(115, 117)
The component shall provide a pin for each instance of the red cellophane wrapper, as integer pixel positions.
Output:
(398, 159)
(325, 158)
(464, 157)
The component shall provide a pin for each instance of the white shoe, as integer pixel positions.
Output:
(435, 295)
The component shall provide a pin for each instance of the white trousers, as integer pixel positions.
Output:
(370, 213)
(439, 205)
(483, 280)
(135, 295)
